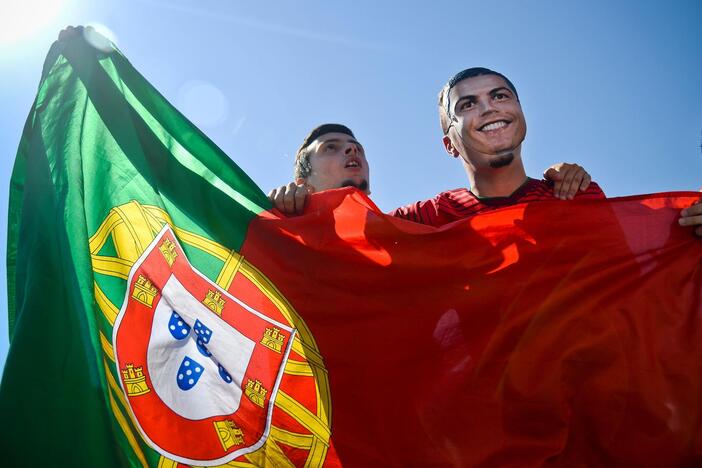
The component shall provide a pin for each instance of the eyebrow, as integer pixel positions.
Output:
(339, 140)
(491, 92)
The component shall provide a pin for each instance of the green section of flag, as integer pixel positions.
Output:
(98, 137)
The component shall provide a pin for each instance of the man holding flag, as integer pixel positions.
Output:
(483, 125)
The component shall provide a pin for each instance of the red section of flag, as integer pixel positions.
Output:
(553, 332)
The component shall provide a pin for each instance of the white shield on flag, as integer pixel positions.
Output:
(204, 375)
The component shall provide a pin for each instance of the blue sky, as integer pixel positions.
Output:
(613, 86)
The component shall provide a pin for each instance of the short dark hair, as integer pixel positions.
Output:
(444, 101)
(303, 168)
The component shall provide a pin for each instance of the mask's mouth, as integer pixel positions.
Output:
(494, 126)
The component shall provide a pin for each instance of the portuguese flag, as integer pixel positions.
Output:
(162, 315)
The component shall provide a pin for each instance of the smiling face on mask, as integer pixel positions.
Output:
(487, 124)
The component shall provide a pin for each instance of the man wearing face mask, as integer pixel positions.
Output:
(483, 124)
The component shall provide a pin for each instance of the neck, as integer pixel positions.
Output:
(496, 182)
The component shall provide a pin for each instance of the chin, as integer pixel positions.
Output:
(361, 185)
(502, 161)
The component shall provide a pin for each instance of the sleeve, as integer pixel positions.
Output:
(593, 192)
(423, 212)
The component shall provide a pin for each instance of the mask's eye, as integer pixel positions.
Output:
(466, 104)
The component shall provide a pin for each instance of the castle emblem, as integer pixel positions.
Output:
(255, 391)
(273, 339)
(229, 434)
(134, 380)
(214, 302)
(168, 250)
(144, 291)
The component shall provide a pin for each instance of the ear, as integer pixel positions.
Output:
(450, 149)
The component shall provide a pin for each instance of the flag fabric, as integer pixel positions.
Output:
(162, 315)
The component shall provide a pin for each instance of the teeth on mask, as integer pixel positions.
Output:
(493, 126)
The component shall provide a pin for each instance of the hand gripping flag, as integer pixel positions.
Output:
(162, 315)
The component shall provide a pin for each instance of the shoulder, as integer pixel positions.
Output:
(433, 210)
(455, 194)
(413, 211)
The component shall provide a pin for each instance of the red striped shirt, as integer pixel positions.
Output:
(461, 203)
